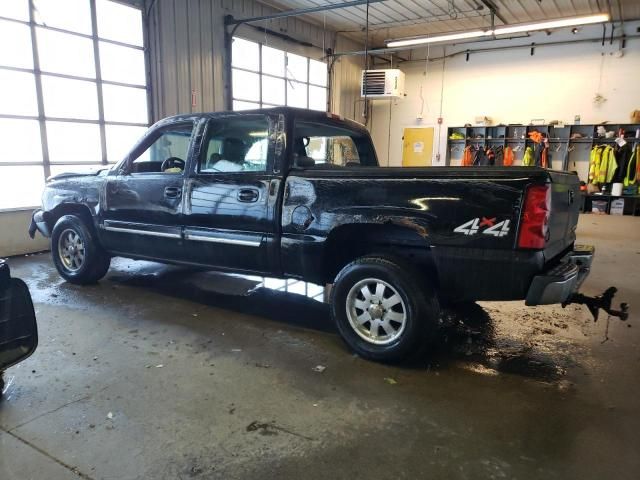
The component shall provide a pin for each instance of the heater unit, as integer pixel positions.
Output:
(387, 83)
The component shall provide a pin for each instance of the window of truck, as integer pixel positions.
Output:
(319, 145)
(239, 144)
(171, 143)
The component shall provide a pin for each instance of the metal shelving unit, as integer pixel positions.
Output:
(565, 152)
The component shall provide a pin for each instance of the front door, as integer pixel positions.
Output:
(231, 195)
(142, 210)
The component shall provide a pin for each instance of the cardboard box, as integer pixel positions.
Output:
(617, 206)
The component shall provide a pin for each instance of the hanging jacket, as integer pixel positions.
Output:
(491, 156)
(632, 170)
(527, 159)
(595, 158)
(540, 149)
(623, 156)
(508, 157)
(467, 156)
(481, 159)
(539, 155)
(545, 153)
(499, 159)
(602, 164)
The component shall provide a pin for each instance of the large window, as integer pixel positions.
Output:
(73, 90)
(263, 76)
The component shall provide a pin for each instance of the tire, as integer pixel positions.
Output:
(77, 255)
(402, 304)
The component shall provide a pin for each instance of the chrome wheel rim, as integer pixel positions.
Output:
(376, 311)
(71, 250)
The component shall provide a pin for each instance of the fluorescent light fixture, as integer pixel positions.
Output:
(527, 27)
(564, 22)
(440, 38)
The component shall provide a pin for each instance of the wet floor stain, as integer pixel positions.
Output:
(479, 339)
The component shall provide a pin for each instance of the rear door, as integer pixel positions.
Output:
(565, 209)
(142, 208)
(231, 193)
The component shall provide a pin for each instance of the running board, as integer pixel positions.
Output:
(600, 302)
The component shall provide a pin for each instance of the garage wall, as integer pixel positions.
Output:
(345, 79)
(14, 239)
(511, 86)
(186, 41)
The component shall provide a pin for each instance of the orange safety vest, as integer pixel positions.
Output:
(467, 158)
(509, 157)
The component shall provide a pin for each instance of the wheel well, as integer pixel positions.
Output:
(348, 242)
(81, 211)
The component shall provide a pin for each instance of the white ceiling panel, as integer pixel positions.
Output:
(404, 18)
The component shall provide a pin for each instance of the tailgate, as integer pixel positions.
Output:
(565, 208)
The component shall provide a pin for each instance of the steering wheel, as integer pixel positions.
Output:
(172, 162)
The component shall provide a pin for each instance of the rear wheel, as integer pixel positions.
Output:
(77, 255)
(383, 308)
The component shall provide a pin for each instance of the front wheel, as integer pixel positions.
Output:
(77, 255)
(383, 308)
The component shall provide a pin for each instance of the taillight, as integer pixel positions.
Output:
(534, 223)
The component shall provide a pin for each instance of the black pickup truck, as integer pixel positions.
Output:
(293, 193)
(18, 328)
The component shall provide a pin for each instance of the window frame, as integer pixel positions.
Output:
(201, 155)
(34, 26)
(285, 77)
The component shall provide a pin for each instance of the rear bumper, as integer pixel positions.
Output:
(38, 223)
(557, 284)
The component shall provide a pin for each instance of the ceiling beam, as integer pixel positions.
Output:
(229, 20)
(494, 10)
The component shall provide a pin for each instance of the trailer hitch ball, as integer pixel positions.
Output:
(600, 302)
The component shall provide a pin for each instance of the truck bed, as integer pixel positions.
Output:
(441, 205)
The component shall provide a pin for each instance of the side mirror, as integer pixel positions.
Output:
(18, 329)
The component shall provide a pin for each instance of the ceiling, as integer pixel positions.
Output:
(405, 18)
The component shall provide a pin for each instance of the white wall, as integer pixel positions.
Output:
(14, 239)
(511, 86)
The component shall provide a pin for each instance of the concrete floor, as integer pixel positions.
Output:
(162, 373)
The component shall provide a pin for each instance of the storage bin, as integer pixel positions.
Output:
(617, 206)
(599, 207)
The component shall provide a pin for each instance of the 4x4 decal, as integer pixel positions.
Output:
(485, 226)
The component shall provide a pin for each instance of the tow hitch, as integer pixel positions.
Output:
(600, 302)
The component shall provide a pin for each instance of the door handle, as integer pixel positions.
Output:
(248, 195)
(172, 192)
